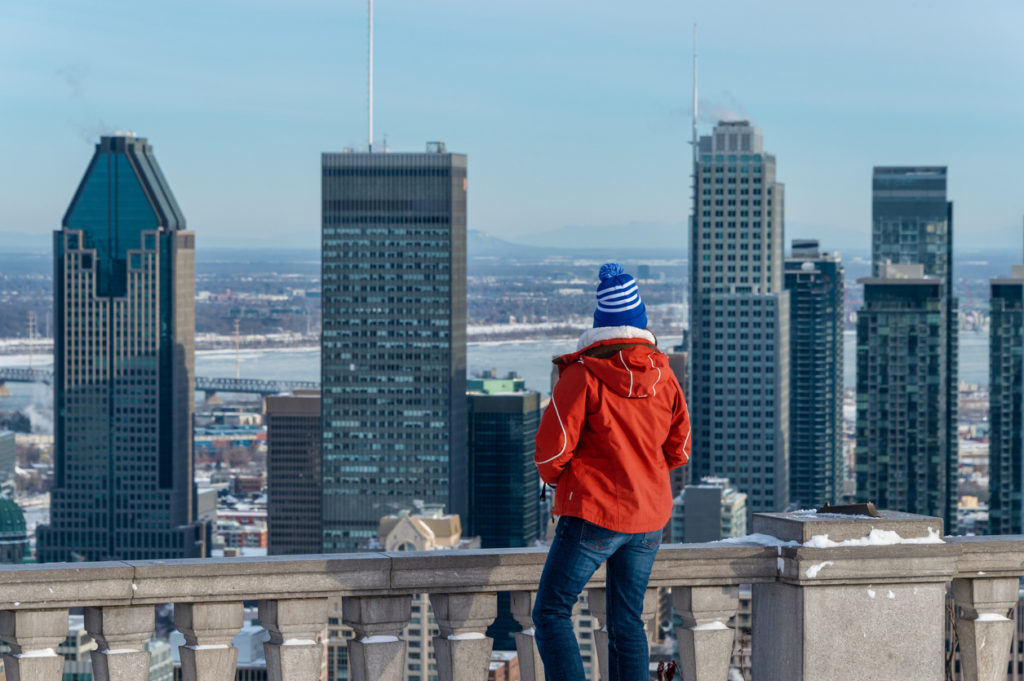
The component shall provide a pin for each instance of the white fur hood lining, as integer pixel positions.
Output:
(601, 333)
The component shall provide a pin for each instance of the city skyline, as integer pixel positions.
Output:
(602, 92)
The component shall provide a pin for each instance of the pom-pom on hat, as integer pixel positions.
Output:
(618, 299)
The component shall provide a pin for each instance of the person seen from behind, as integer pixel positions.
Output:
(616, 425)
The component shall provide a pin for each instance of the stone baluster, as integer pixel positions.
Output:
(530, 666)
(209, 629)
(984, 627)
(597, 605)
(33, 636)
(462, 649)
(121, 634)
(377, 653)
(705, 641)
(295, 651)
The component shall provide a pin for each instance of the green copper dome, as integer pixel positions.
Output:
(12, 520)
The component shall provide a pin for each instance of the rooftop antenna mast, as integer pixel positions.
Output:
(688, 338)
(693, 141)
(370, 116)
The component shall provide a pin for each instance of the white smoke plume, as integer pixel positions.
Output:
(40, 409)
(725, 107)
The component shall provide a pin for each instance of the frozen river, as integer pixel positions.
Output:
(531, 359)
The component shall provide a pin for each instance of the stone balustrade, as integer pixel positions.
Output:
(840, 612)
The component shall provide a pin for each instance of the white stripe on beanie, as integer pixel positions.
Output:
(620, 308)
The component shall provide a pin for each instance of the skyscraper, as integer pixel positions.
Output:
(124, 297)
(1006, 404)
(294, 501)
(504, 504)
(679, 477)
(815, 284)
(901, 455)
(912, 222)
(393, 359)
(504, 483)
(739, 321)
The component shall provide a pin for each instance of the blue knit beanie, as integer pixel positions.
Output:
(618, 299)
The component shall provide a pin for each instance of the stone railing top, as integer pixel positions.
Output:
(57, 585)
(995, 556)
(60, 585)
(801, 526)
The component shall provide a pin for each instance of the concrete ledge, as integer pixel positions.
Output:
(714, 564)
(893, 564)
(466, 571)
(997, 556)
(62, 585)
(275, 577)
(802, 526)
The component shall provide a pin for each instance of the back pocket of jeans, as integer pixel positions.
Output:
(652, 539)
(595, 537)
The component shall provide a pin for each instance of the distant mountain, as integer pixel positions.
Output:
(482, 245)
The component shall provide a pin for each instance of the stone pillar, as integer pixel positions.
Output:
(852, 600)
(34, 636)
(705, 639)
(376, 653)
(209, 629)
(596, 603)
(530, 666)
(295, 651)
(983, 627)
(463, 650)
(121, 634)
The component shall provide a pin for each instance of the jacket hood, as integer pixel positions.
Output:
(625, 360)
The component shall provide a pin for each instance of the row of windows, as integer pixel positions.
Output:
(386, 220)
(389, 171)
(434, 206)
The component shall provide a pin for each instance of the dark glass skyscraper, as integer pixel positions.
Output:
(124, 310)
(1006, 404)
(294, 500)
(912, 223)
(815, 284)
(739, 319)
(504, 483)
(393, 359)
(901, 457)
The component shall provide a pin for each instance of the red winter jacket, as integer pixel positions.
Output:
(616, 424)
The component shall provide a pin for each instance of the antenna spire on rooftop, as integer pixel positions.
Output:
(693, 141)
(370, 80)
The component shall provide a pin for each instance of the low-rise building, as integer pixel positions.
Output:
(709, 511)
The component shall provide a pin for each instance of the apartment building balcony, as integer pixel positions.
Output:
(833, 598)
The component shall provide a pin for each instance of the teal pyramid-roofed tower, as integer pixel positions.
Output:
(124, 318)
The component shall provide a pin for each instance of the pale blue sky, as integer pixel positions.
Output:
(572, 112)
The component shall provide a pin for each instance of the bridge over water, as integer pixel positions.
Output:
(255, 386)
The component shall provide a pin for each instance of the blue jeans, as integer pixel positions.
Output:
(577, 551)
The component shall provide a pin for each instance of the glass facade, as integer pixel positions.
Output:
(912, 223)
(1006, 406)
(123, 367)
(815, 284)
(504, 484)
(739, 389)
(393, 357)
(901, 456)
(294, 476)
